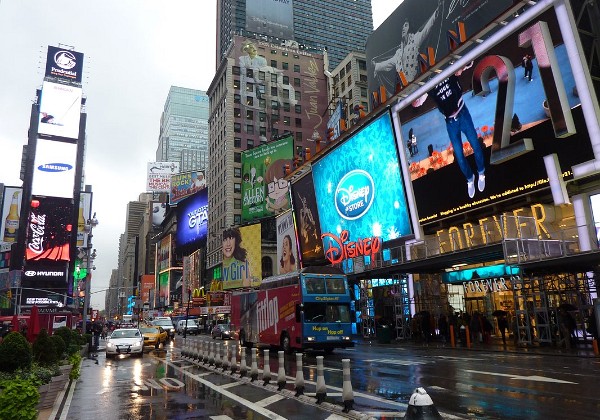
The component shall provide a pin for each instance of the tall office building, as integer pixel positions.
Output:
(340, 26)
(184, 129)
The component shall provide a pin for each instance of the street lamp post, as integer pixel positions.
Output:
(187, 313)
(90, 256)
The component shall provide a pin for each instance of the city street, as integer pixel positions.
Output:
(462, 384)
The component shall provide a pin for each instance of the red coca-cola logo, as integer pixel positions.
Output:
(37, 227)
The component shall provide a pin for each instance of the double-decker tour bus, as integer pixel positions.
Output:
(306, 309)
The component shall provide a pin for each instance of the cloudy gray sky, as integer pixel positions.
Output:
(134, 51)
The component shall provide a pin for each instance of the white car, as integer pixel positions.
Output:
(125, 341)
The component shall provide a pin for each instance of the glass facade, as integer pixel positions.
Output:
(184, 129)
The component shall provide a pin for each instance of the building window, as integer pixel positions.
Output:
(273, 91)
(297, 81)
(262, 103)
(297, 95)
(363, 92)
(296, 68)
(249, 100)
(286, 107)
(249, 114)
(237, 113)
(298, 109)
(262, 131)
(285, 65)
(237, 142)
(235, 70)
(249, 87)
(298, 122)
(237, 219)
(274, 64)
(299, 136)
(349, 79)
(273, 77)
(237, 128)
(250, 73)
(236, 84)
(237, 188)
(237, 157)
(343, 87)
(363, 78)
(284, 53)
(342, 73)
(362, 65)
(274, 104)
(261, 75)
(286, 120)
(237, 172)
(274, 132)
(286, 93)
(250, 143)
(262, 116)
(286, 80)
(237, 203)
(237, 98)
(249, 128)
(349, 66)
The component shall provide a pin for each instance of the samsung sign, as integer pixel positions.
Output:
(54, 169)
(64, 64)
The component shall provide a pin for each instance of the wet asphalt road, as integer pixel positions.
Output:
(462, 384)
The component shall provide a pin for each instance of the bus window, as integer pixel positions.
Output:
(319, 312)
(314, 312)
(336, 286)
(315, 286)
(338, 313)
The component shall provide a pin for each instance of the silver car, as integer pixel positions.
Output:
(125, 341)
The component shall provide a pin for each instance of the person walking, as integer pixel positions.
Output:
(503, 326)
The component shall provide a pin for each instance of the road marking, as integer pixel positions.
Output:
(329, 394)
(397, 362)
(337, 417)
(524, 378)
(230, 385)
(220, 418)
(269, 400)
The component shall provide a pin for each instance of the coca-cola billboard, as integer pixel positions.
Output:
(49, 229)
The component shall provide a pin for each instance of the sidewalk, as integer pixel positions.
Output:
(496, 345)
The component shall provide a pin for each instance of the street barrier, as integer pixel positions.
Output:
(225, 363)
(266, 369)
(347, 393)
(218, 355)
(595, 347)
(233, 363)
(420, 406)
(205, 347)
(281, 372)
(321, 388)
(452, 338)
(299, 384)
(254, 367)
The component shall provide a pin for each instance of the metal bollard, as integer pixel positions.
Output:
(206, 352)
(233, 363)
(266, 368)
(211, 354)
(218, 355)
(243, 367)
(299, 384)
(281, 371)
(254, 367)
(225, 362)
(321, 388)
(347, 393)
(420, 406)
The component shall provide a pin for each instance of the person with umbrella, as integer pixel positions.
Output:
(503, 326)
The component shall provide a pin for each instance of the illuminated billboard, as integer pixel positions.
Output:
(11, 211)
(54, 169)
(84, 214)
(265, 192)
(307, 221)
(393, 50)
(186, 184)
(64, 64)
(159, 175)
(242, 257)
(287, 250)
(49, 229)
(360, 193)
(159, 211)
(505, 126)
(192, 221)
(60, 110)
(270, 17)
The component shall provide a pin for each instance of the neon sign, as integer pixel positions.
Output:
(341, 248)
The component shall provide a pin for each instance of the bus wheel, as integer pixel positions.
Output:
(285, 343)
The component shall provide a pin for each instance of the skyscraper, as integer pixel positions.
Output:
(184, 129)
(340, 26)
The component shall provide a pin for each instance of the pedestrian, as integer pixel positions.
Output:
(475, 328)
(503, 326)
(487, 329)
(528, 67)
(443, 327)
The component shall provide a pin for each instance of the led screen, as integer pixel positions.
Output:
(307, 221)
(60, 110)
(11, 211)
(192, 220)
(64, 64)
(49, 229)
(359, 190)
(242, 257)
(54, 169)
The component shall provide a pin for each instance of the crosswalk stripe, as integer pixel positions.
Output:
(269, 400)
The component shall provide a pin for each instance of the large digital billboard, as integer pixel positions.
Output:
(84, 214)
(64, 64)
(360, 193)
(192, 221)
(54, 169)
(271, 17)
(393, 50)
(287, 249)
(483, 134)
(159, 175)
(60, 110)
(186, 184)
(265, 192)
(11, 211)
(242, 257)
(49, 229)
(307, 221)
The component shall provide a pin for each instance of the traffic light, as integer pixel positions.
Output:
(9, 294)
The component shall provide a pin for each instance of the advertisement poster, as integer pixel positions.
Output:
(11, 211)
(64, 64)
(60, 110)
(159, 211)
(186, 184)
(242, 257)
(360, 192)
(264, 191)
(192, 221)
(54, 169)
(287, 250)
(270, 17)
(84, 214)
(159, 175)
(49, 229)
(148, 283)
(417, 25)
(163, 257)
(458, 174)
(307, 220)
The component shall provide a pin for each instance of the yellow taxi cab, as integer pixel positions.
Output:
(154, 336)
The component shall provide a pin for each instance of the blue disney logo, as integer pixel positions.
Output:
(354, 194)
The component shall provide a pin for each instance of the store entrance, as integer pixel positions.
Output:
(473, 304)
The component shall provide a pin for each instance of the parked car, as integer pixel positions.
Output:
(223, 331)
(192, 327)
(154, 336)
(125, 341)
(167, 325)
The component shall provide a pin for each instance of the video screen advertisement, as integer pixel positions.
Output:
(287, 249)
(64, 64)
(393, 50)
(186, 184)
(60, 111)
(54, 169)
(242, 257)
(11, 211)
(265, 192)
(49, 229)
(307, 222)
(498, 152)
(49, 279)
(360, 193)
(269, 17)
(192, 222)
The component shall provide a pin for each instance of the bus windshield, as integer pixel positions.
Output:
(326, 312)
(321, 286)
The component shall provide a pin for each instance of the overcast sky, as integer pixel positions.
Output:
(134, 51)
